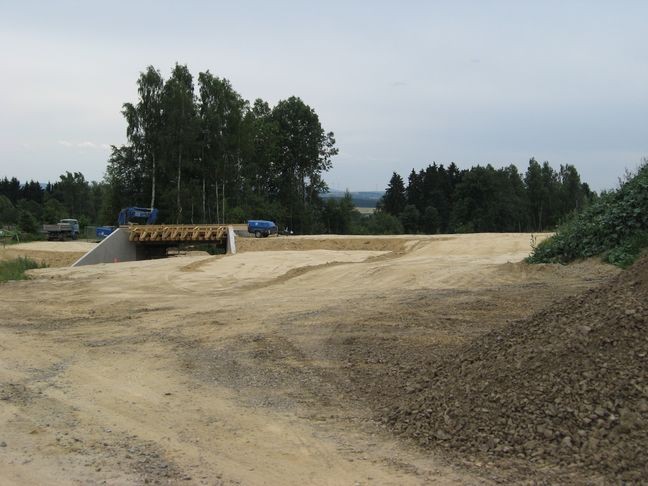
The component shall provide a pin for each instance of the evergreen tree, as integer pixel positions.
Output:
(394, 200)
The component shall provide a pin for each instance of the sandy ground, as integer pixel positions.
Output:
(50, 253)
(248, 369)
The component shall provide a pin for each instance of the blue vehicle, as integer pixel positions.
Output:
(132, 215)
(137, 216)
(260, 228)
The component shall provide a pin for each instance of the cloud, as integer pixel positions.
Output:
(398, 84)
(84, 145)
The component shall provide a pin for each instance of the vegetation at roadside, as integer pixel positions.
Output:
(615, 226)
(15, 269)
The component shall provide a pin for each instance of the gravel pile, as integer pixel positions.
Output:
(567, 387)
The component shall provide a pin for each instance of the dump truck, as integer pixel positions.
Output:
(66, 228)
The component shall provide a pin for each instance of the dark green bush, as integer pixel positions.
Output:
(614, 226)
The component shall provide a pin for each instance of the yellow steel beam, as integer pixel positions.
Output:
(177, 233)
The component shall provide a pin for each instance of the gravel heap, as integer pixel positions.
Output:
(567, 387)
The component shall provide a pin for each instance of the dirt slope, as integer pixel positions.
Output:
(568, 386)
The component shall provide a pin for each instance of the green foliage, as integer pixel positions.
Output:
(27, 222)
(197, 156)
(394, 200)
(236, 215)
(54, 210)
(410, 219)
(32, 207)
(8, 213)
(381, 223)
(614, 226)
(483, 198)
(69, 197)
(15, 269)
(626, 253)
(431, 220)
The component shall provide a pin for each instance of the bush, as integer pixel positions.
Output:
(614, 226)
(381, 223)
(15, 269)
(27, 222)
(8, 213)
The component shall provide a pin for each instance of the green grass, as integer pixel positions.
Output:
(15, 269)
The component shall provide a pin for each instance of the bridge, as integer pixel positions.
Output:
(177, 233)
(135, 242)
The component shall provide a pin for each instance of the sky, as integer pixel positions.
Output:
(401, 84)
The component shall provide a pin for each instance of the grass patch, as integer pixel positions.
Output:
(15, 269)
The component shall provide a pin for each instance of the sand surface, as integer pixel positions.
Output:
(235, 369)
(50, 253)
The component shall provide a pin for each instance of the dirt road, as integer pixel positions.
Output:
(258, 368)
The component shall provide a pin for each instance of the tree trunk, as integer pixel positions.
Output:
(178, 205)
(153, 184)
(217, 208)
(203, 200)
(223, 201)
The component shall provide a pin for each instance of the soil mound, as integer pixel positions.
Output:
(567, 387)
(325, 243)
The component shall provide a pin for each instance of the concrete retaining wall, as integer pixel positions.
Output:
(231, 241)
(114, 248)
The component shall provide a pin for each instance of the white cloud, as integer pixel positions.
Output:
(87, 144)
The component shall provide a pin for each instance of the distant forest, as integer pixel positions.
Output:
(434, 200)
(200, 153)
(482, 198)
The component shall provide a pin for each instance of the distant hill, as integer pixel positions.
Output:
(361, 199)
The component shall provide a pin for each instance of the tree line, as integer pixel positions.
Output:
(435, 200)
(29, 204)
(200, 153)
(485, 199)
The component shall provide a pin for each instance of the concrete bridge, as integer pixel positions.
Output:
(134, 242)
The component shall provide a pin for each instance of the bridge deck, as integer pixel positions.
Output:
(177, 232)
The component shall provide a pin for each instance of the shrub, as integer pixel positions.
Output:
(15, 269)
(614, 226)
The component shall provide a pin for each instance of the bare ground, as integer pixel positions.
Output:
(258, 368)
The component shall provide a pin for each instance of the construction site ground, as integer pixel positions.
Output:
(265, 367)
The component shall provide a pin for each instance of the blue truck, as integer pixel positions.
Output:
(261, 228)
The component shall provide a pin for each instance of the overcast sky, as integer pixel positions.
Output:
(401, 84)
